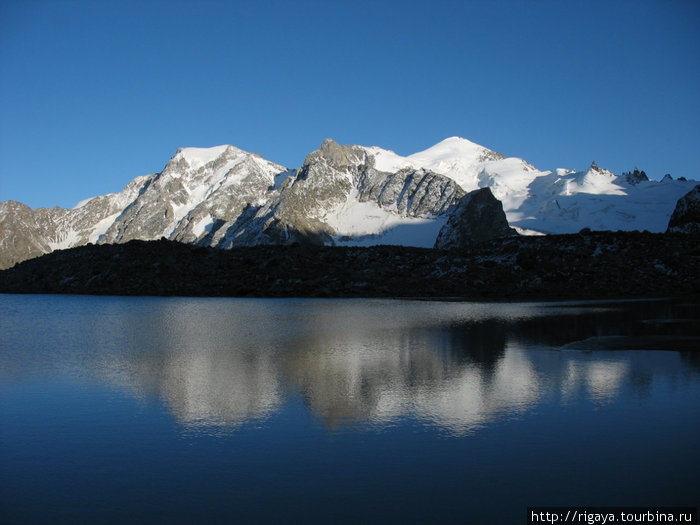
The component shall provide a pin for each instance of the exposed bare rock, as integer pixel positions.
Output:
(411, 192)
(27, 233)
(197, 189)
(686, 215)
(477, 218)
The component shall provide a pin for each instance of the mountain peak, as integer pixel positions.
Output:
(451, 148)
(198, 157)
(457, 140)
(336, 155)
(328, 143)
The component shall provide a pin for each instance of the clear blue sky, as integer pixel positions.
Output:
(93, 94)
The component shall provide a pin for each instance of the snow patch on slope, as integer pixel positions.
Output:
(388, 161)
(366, 224)
(595, 181)
(509, 180)
(102, 226)
(66, 239)
(204, 224)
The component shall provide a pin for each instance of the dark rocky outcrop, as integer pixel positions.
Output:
(635, 177)
(589, 265)
(686, 215)
(478, 217)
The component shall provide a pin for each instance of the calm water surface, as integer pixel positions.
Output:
(322, 411)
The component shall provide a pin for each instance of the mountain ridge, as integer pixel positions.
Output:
(347, 195)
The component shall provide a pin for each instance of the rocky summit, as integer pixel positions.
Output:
(455, 193)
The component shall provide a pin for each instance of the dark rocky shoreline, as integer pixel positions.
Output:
(587, 265)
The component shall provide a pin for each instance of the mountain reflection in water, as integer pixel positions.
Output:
(226, 362)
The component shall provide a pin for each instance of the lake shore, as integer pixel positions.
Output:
(588, 265)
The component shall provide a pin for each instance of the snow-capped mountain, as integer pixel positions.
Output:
(27, 233)
(197, 189)
(541, 202)
(339, 197)
(344, 195)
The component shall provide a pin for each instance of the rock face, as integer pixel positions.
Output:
(27, 233)
(22, 233)
(324, 201)
(686, 216)
(295, 211)
(477, 218)
(198, 189)
(410, 192)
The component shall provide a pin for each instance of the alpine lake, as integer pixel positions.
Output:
(198, 410)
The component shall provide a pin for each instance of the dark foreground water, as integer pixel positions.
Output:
(323, 411)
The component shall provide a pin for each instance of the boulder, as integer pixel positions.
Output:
(478, 217)
(686, 215)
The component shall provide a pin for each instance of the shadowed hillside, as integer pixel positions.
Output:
(585, 265)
